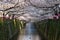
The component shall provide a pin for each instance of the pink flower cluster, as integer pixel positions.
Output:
(56, 16)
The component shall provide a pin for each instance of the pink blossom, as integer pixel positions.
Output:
(59, 15)
(55, 16)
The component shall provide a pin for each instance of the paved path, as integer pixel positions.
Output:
(29, 33)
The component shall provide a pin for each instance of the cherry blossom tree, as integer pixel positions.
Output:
(29, 10)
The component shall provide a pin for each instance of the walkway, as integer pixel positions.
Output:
(29, 33)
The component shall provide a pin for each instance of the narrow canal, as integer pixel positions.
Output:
(29, 33)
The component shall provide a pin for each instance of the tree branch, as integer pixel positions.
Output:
(40, 7)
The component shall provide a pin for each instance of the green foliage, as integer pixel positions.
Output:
(8, 28)
(50, 29)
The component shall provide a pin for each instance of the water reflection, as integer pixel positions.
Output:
(30, 29)
(29, 33)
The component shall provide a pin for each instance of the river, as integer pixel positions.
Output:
(29, 33)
